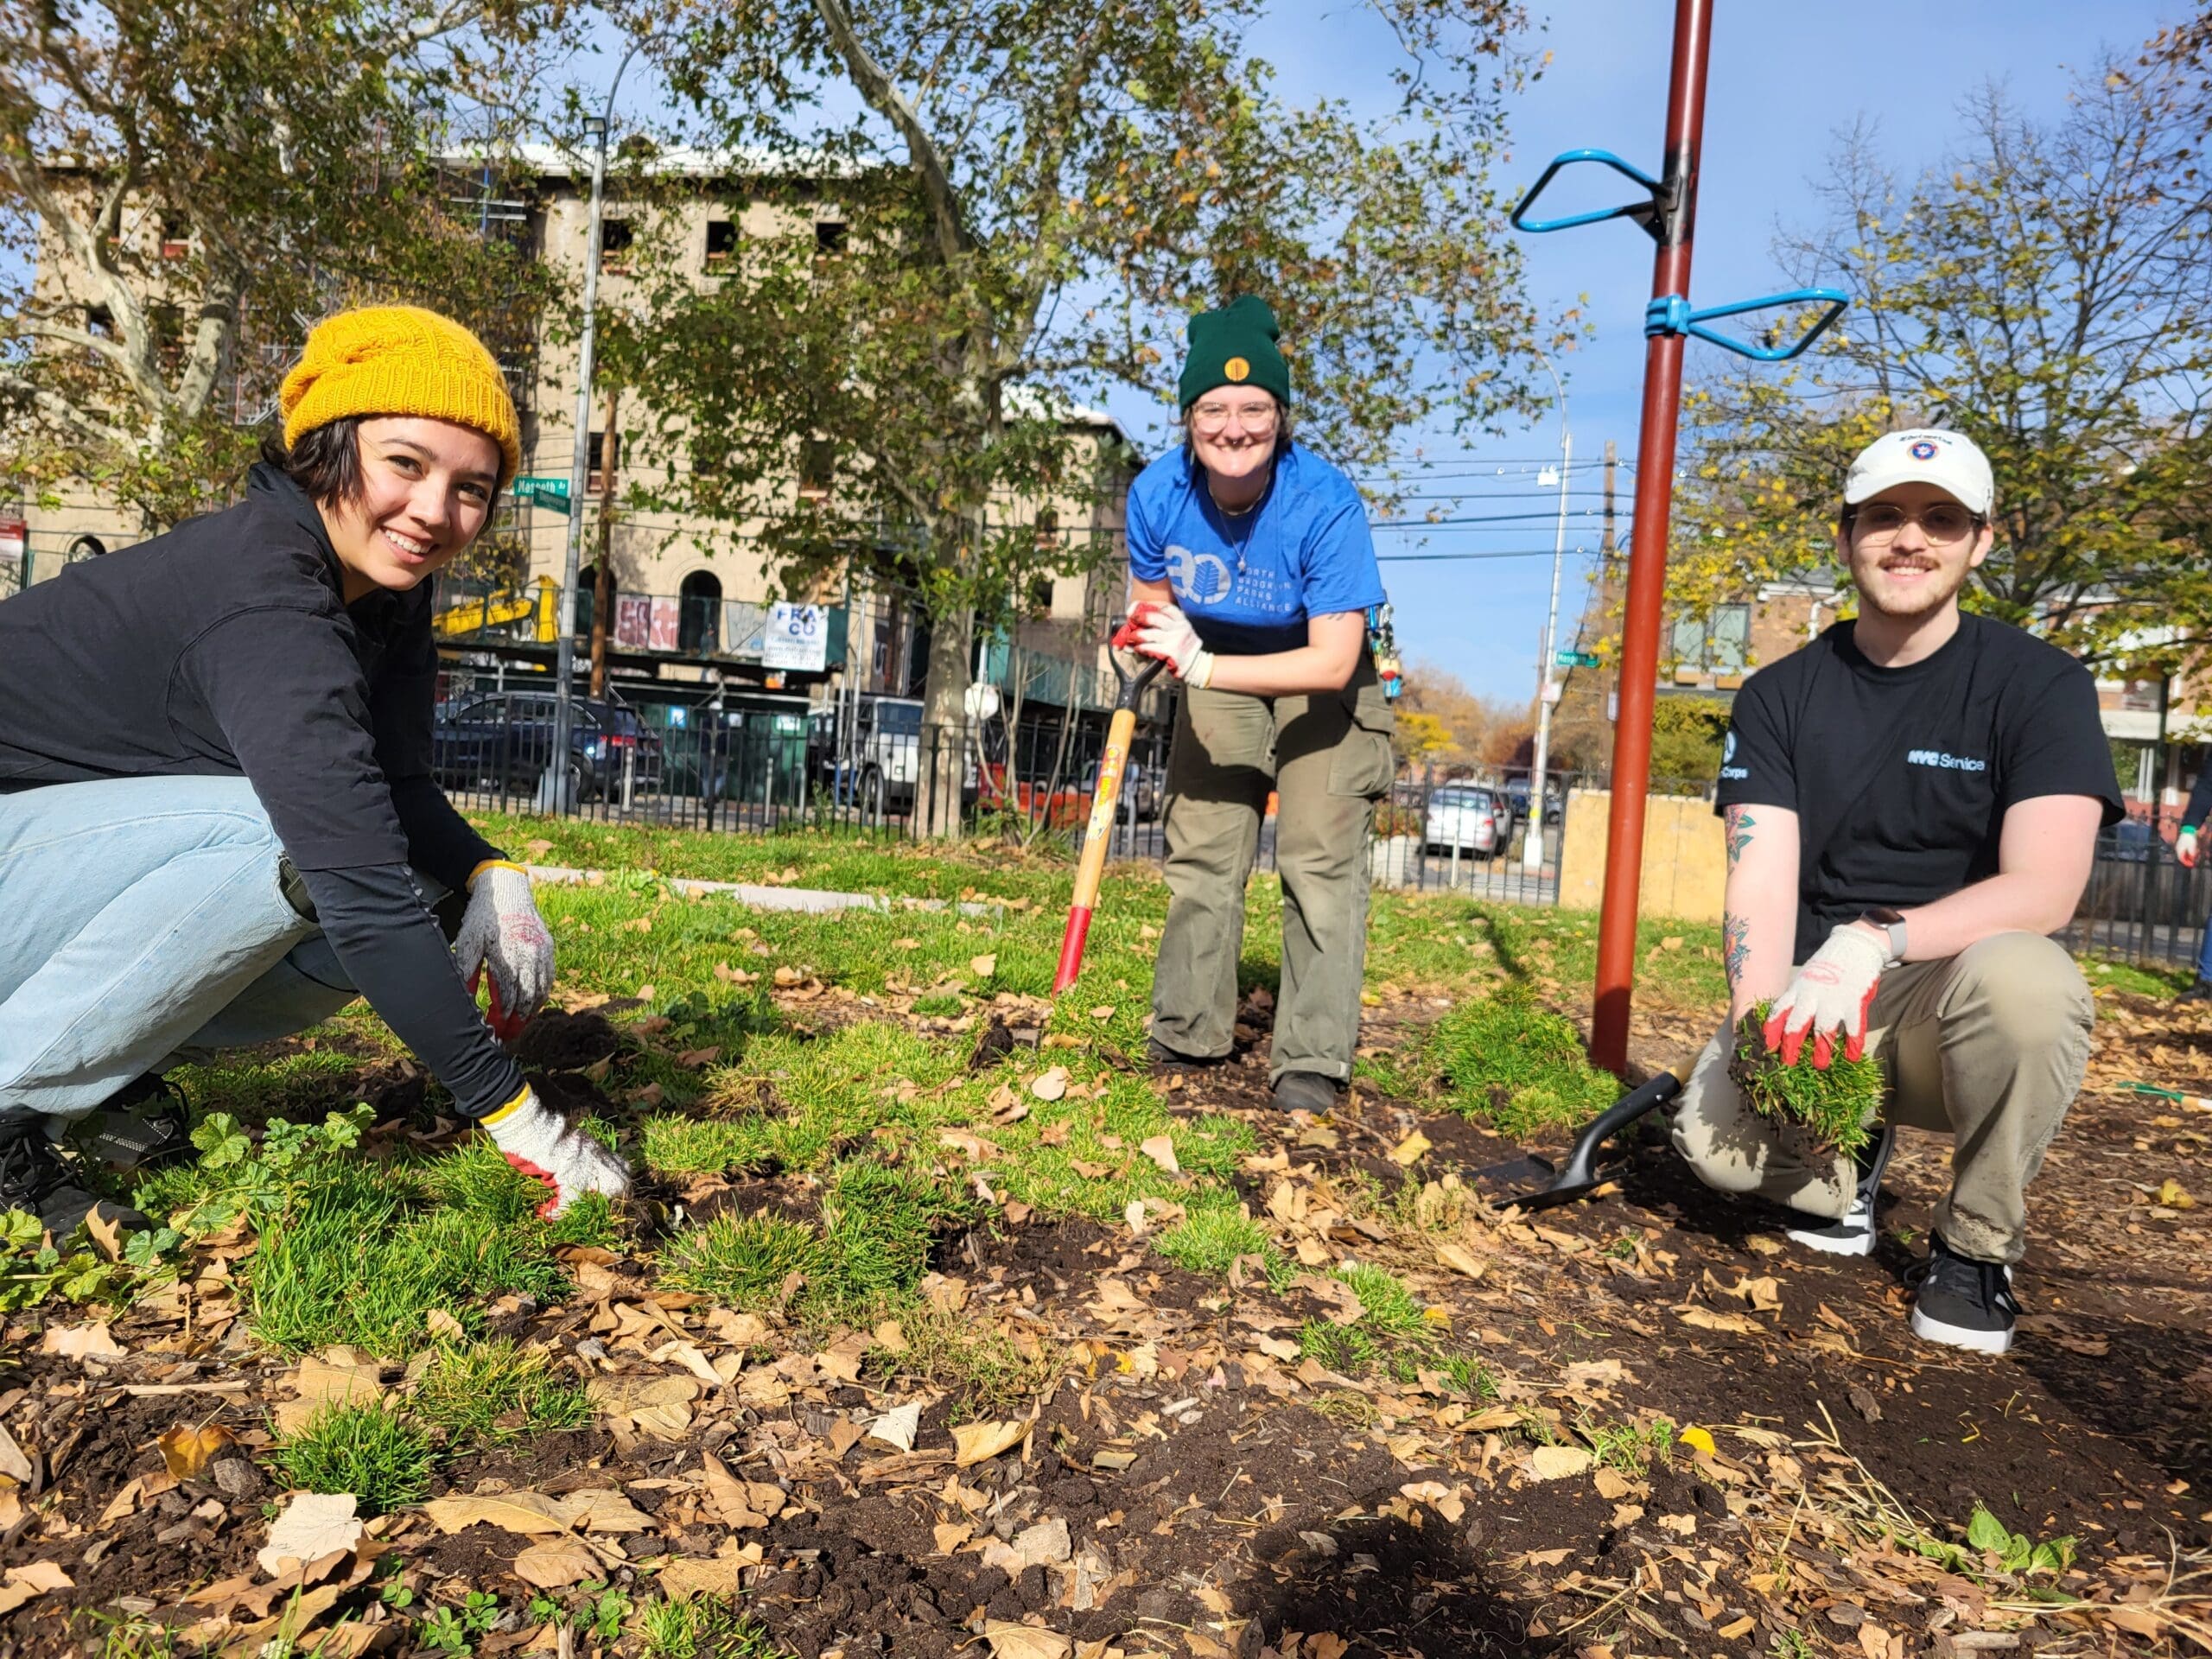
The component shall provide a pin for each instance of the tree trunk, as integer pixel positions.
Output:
(943, 769)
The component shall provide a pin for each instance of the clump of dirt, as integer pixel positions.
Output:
(555, 1041)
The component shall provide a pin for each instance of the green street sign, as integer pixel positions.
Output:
(543, 492)
(1575, 658)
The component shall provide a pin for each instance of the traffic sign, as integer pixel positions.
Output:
(543, 492)
(1575, 658)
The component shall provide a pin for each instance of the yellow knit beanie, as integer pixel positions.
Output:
(399, 359)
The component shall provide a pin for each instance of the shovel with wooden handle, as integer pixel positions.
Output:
(1105, 800)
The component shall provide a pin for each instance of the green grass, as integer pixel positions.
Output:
(1631, 1448)
(1393, 1327)
(1209, 1240)
(705, 1627)
(1506, 1059)
(495, 1393)
(742, 1259)
(986, 1371)
(1837, 1102)
(373, 1452)
(878, 1226)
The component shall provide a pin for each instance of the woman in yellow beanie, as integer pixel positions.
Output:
(218, 824)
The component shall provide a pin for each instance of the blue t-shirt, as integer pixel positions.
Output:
(1249, 582)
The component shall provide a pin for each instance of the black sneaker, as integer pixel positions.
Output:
(142, 1126)
(2200, 992)
(33, 1178)
(1966, 1303)
(1306, 1091)
(1854, 1234)
(1159, 1054)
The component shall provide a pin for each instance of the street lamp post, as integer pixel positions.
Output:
(560, 771)
(1532, 845)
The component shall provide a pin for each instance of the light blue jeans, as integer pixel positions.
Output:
(142, 923)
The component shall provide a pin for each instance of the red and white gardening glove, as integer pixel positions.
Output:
(2185, 849)
(502, 931)
(1831, 993)
(1164, 633)
(543, 1145)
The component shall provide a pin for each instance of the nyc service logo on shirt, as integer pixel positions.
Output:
(1942, 761)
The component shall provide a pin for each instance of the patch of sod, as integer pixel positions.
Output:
(1209, 1240)
(987, 1369)
(494, 1393)
(879, 1224)
(1507, 1060)
(1836, 1103)
(742, 1259)
(373, 1452)
(705, 1627)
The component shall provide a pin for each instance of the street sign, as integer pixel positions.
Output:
(797, 637)
(543, 492)
(1575, 658)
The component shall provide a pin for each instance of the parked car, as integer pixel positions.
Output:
(504, 739)
(890, 747)
(1471, 819)
(1516, 796)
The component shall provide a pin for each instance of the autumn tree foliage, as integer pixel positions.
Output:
(2045, 290)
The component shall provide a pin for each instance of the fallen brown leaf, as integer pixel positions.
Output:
(974, 1442)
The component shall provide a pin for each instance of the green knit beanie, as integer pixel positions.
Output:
(1235, 346)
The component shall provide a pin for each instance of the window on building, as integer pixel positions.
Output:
(596, 482)
(1048, 527)
(177, 236)
(2141, 694)
(721, 243)
(1718, 644)
(1040, 596)
(817, 468)
(829, 236)
(616, 237)
(699, 620)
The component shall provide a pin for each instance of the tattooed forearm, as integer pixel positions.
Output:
(1735, 946)
(1738, 820)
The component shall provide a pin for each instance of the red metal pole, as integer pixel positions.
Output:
(1647, 563)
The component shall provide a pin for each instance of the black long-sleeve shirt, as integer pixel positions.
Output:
(226, 647)
(2200, 801)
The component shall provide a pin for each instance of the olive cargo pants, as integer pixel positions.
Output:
(1989, 1046)
(1328, 756)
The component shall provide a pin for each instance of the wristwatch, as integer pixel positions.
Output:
(1891, 922)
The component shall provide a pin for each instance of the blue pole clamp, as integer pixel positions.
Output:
(1643, 212)
(1671, 314)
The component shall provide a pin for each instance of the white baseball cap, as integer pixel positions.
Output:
(1952, 461)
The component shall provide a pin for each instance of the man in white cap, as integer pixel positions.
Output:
(1911, 802)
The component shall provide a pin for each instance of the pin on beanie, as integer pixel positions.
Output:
(1235, 346)
(399, 359)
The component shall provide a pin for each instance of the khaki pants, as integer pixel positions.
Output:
(1329, 757)
(1989, 1046)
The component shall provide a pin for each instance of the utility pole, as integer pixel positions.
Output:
(1532, 839)
(564, 649)
(602, 589)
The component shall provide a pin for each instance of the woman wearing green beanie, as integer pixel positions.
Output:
(1252, 572)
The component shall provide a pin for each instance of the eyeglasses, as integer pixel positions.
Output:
(1259, 418)
(1943, 521)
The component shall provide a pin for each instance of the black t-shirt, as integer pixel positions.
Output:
(226, 648)
(1900, 777)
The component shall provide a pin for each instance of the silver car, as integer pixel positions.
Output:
(1472, 820)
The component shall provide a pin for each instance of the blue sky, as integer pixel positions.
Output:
(1786, 77)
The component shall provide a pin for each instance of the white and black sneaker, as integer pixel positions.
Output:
(34, 1179)
(144, 1126)
(1965, 1303)
(1854, 1234)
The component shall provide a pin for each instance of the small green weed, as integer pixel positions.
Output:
(1791, 1645)
(454, 1631)
(1209, 1241)
(1392, 1311)
(2015, 1551)
(1837, 1102)
(492, 1392)
(742, 1259)
(372, 1451)
(1631, 1448)
(706, 1627)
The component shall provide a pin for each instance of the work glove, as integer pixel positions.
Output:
(2185, 849)
(1164, 633)
(546, 1147)
(502, 931)
(1831, 993)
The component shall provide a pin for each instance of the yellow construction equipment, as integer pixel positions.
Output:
(498, 609)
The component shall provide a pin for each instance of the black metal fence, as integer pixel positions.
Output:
(758, 770)
(2141, 905)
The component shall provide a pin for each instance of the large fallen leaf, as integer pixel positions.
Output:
(1460, 1259)
(898, 1426)
(656, 1406)
(336, 1377)
(30, 1581)
(1051, 1085)
(1010, 1641)
(740, 1504)
(13, 1462)
(698, 1575)
(557, 1563)
(1706, 1318)
(188, 1450)
(1559, 1462)
(92, 1341)
(977, 1441)
(1409, 1151)
(985, 965)
(313, 1525)
(536, 1513)
(1161, 1151)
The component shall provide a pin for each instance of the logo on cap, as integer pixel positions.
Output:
(1923, 450)
(1236, 369)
